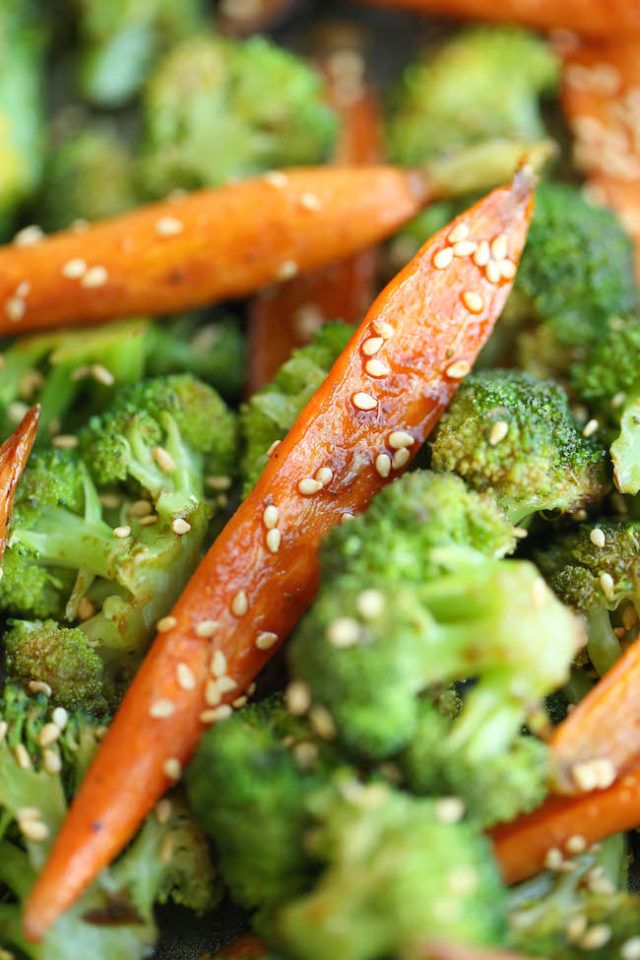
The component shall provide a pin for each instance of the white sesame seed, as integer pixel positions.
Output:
(508, 269)
(161, 709)
(322, 722)
(17, 410)
(102, 375)
(49, 734)
(449, 810)
(148, 521)
(39, 686)
(364, 401)
(310, 201)
(185, 677)
(458, 370)
(22, 755)
(371, 346)
(165, 624)
(110, 501)
(180, 526)
(298, 698)
(473, 301)
(227, 684)
(324, 475)
(597, 537)
(443, 258)
(346, 517)
(464, 248)
(266, 640)
(220, 713)
(343, 632)
(172, 768)
(273, 540)
(576, 844)
(163, 811)
(493, 272)
(65, 441)
(376, 368)
(239, 702)
(383, 465)
(308, 486)
(239, 604)
(576, 927)
(74, 269)
(121, 533)
(218, 483)
(218, 664)
(287, 270)
(305, 754)
(370, 604)
(276, 178)
(206, 628)
(401, 458)
(618, 399)
(23, 289)
(28, 236)
(95, 277)
(629, 617)
(607, 584)
(482, 254)
(212, 693)
(4, 727)
(399, 439)
(60, 717)
(15, 309)
(383, 329)
(499, 247)
(596, 937)
(498, 432)
(140, 508)
(169, 226)
(459, 232)
(593, 774)
(590, 428)
(274, 446)
(52, 761)
(630, 950)
(34, 830)
(164, 459)
(270, 517)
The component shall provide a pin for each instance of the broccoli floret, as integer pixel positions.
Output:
(120, 42)
(88, 176)
(216, 108)
(114, 919)
(596, 580)
(395, 876)
(272, 411)
(434, 113)
(61, 657)
(513, 435)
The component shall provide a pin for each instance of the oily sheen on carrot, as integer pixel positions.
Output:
(455, 951)
(206, 246)
(424, 332)
(284, 317)
(597, 17)
(522, 847)
(14, 453)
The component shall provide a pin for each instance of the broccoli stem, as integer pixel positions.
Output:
(603, 646)
(625, 450)
(483, 165)
(65, 540)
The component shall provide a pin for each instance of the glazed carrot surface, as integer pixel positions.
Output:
(424, 332)
(203, 247)
(14, 454)
(450, 951)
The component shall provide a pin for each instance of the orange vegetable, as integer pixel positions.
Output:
(239, 19)
(206, 246)
(398, 372)
(600, 100)
(14, 454)
(451, 951)
(597, 17)
(284, 317)
(245, 948)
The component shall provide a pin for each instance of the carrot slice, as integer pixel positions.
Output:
(424, 331)
(240, 19)
(285, 317)
(597, 17)
(206, 246)
(455, 951)
(14, 454)
(245, 948)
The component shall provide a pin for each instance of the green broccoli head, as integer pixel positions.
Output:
(215, 109)
(513, 435)
(433, 112)
(271, 412)
(61, 657)
(395, 875)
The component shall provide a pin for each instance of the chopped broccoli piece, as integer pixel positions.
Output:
(272, 411)
(216, 108)
(542, 462)
(120, 42)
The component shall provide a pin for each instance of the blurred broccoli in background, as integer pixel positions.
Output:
(120, 41)
(215, 109)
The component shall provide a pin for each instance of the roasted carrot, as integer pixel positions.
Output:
(594, 17)
(206, 246)
(398, 372)
(454, 951)
(565, 825)
(14, 454)
(245, 948)
(284, 317)
(239, 19)
(600, 100)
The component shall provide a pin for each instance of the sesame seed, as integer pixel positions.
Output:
(508, 269)
(164, 459)
(364, 401)
(39, 686)
(185, 677)
(298, 698)
(401, 458)
(162, 709)
(49, 734)
(347, 517)
(498, 432)
(499, 247)
(22, 755)
(449, 810)
(4, 727)
(371, 346)
(180, 526)
(576, 844)
(343, 632)
(239, 702)
(274, 446)
(493, 272)
(218, 483)
(34, 830)
(276, 178)
(383, 465)
(149, 521)
(597, 537)
(383, 329)
(287, 270)
(482, 254)
(212, 693)
(165, 624)
(239, 604)
(94, 277)
(270, 517)
(74, 269)
(553, 859)
(274, 539)
(218, 664)
(399, 439)
(206, 628)
(140, 508)
(593, 774)
(17, 411)
(630, 950)
(376, 368)
(28, 236)
(121, 533)
(172, 768)
(459, 232)
(576, 928)
(629, 617)
(15, 309)
(169, 226)
(596, 937)
(310, 201)
(65, 441)
(305, 754)
(458, 370)
(618, 399)
(52, 761)
(60, 717)
(23, 289)
(370, 604)
(222, 712)
(443, 258)
(607, 584)
(163, 811)
(322, 722)
(111, 501)
(590, 428)
(102, 375)
(464, 248)
(308, 486)
(266, 640)
(227, 684)
(324, 475)
(473, 301)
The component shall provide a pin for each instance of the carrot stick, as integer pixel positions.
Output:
(451, 951)
(423, 332)
(523, 847)
(14, 454)
(600, 101)
(210, 245)
(284, 317)
(238, 20)
(594, 17)
(245, 948)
